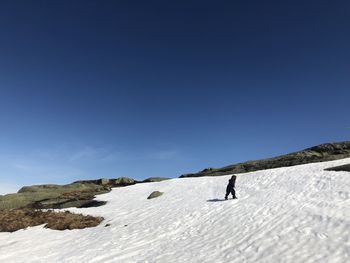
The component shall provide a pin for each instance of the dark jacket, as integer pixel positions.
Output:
(231, 183)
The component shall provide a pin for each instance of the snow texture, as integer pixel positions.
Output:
(294, 214)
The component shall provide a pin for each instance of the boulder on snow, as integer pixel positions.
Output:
(154, 194)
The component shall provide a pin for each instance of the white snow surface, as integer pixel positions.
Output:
(294, 214)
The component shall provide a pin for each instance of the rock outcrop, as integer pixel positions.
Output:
(118, 182)
(342, 168)
(52, 196)
(79, 194)
(21, 210)
(155, 194)
(320, 153)
(155, 179)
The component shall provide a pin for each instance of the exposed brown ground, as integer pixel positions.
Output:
(15, 219)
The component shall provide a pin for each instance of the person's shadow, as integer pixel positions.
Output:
(216, 200)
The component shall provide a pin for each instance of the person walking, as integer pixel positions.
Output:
(231, 188)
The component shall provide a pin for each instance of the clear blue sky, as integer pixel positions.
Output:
(92, 89)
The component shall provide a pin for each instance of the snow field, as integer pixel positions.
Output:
(294, 214)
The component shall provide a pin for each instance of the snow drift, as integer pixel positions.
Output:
(294, 214)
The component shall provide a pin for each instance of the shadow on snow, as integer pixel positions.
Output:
(216, 200)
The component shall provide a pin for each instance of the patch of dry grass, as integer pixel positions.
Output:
(15, 219)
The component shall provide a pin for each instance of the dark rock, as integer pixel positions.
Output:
(93, 203)
(208, 169)
(62, 204)
(320, 153)
(154, 194)
(342, 168)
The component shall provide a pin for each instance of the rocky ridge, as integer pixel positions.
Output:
(79, 194)
(320, 153)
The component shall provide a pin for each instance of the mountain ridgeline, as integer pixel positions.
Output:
(81, 194)
(320, 153)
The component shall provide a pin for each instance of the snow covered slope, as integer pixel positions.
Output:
(295, 214)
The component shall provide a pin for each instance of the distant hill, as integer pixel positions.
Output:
(320, 153)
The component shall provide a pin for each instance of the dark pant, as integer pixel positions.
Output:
(232, 191)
